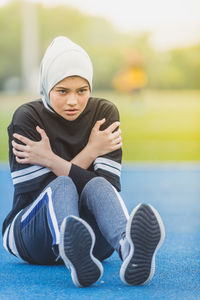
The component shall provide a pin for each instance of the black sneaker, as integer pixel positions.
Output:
(145, 232)
(76, 245)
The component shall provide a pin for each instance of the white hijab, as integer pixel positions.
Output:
(62, 59)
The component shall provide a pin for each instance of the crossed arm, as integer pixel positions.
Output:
(40, 153)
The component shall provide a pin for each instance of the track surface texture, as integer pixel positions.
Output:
(174, 190)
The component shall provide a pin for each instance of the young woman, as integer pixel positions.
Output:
(65, 161)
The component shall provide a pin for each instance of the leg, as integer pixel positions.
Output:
(102, 208)
(51, 221)
(40, 222)
(102, 249)
(136, 241)
(104, 203)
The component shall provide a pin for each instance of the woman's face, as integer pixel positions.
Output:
(69, 97)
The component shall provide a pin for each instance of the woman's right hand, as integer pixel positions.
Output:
(105, 141)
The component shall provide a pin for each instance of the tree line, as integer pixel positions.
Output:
(175, 69)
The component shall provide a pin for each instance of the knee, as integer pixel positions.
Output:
(97, 191)
(62, 186)
(96, 185)
(62, 182)
(97, 181)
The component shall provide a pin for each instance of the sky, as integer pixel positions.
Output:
(171, 23)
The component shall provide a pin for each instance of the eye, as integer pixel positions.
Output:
(62, 92)
(82, 91)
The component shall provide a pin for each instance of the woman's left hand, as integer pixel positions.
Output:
(35, 153)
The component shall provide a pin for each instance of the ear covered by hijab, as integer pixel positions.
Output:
(63, 58)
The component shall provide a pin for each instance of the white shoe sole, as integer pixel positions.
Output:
(145, 233)
(77, 241)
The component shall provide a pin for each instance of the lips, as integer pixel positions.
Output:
(71, 111)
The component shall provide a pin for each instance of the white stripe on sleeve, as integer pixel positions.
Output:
(108, 165)
(25, 171)
(25, 175)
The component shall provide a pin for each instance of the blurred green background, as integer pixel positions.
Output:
(159, 122)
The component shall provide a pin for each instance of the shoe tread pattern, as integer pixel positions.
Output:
(145, 234)
(77, 245)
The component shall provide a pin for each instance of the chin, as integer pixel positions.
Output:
(70, 118)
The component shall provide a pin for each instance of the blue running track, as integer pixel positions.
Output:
(174, 190)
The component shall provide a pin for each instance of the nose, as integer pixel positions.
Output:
(71, 99)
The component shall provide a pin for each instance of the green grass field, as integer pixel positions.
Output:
(156, 125)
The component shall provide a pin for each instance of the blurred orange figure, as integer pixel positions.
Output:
(132, 78)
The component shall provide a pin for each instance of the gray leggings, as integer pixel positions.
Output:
(99, 204)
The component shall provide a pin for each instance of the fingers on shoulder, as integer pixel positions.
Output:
(113, 127)
(22, 138)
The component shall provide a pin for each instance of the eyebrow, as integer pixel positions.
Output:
(64, 88)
